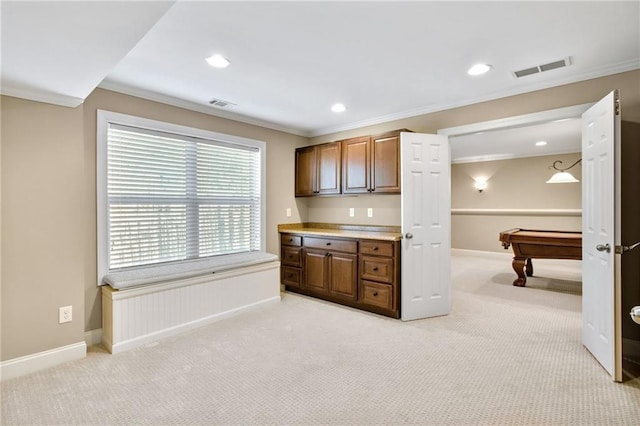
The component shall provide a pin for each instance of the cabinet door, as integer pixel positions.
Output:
(342, 274)
(356, 164)
(329, 168)
(306, 172)
(315, 270)
(385, 170)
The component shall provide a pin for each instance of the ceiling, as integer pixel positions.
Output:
(290, 61)
(561, 137)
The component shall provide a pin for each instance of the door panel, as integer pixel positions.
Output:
(315, 270)
(329, 165)
(305, 171)
(342, 275)
(356, 159)
(599, 289)
(385, 175)
(426, 226)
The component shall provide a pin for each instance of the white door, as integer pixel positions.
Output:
(426, 226)
(600, 220)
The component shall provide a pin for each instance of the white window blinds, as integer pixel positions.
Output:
(173, 197)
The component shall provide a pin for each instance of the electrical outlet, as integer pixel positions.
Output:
(370, 212)
(352, 211)
(288, 212)
(65, 314)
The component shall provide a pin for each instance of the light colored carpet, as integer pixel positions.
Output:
(504, 355)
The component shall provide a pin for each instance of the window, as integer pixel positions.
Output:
(169, 193)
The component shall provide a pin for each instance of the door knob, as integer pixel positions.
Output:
(635, 314)
(605, 247)
(408, 235)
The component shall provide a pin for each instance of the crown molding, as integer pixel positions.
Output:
(193, 106)
(41, 96)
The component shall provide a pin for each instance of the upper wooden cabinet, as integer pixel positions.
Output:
(318, 169)
(368, 164)
(371, 164)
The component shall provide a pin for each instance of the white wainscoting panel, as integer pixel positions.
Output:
(135, 316)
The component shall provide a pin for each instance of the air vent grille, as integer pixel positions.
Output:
(542, 68)
(219, 103)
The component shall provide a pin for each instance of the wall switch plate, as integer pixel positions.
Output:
(352, 212)
(65, 314)
(370, 212)
(288, 212)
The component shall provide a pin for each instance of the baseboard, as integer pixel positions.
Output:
(507, 254)
(31, 363)
(115, 348)
(93, 337)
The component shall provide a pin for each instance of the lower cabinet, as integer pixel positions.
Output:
(359, 273)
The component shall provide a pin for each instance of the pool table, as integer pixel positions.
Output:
(529, 244)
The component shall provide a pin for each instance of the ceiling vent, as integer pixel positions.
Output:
(542, 68)
(219, 103)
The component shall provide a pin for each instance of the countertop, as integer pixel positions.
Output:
(367, 232)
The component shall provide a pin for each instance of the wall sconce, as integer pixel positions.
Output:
(480, 184)
(562, 176)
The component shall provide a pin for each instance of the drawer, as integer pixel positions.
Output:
(331, 244)
(375, 294)
(291, 256)
(290, 240)
(290, 276)
(379, 248)
(376, 269)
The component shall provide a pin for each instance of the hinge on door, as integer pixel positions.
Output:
(617, 106)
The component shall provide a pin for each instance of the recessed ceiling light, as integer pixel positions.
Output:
(338, 107)
(479, 69)
(218, 61)
(541, 143)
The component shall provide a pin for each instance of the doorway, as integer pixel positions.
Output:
(499, 174)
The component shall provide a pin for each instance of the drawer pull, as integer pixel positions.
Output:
(375, 293)
(375, 248)
(289, 256)
(290, 239)
(328, 244)
(375, 268)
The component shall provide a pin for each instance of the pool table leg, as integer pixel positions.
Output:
(518, 264)
(529, 267)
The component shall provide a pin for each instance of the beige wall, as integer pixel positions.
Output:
(512, 184)
(280, 173)
(42, 234)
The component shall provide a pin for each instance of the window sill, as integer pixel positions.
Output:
(187, 269)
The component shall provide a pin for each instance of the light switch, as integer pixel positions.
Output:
(288, 212)
(370, 212)
(352, 212)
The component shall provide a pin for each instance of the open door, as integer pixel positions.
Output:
(426, 226)
(601, 333)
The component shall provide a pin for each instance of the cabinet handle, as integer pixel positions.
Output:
(375, 248)
(375, 268)
(375, 293)
(328, 244)
(290, 239)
